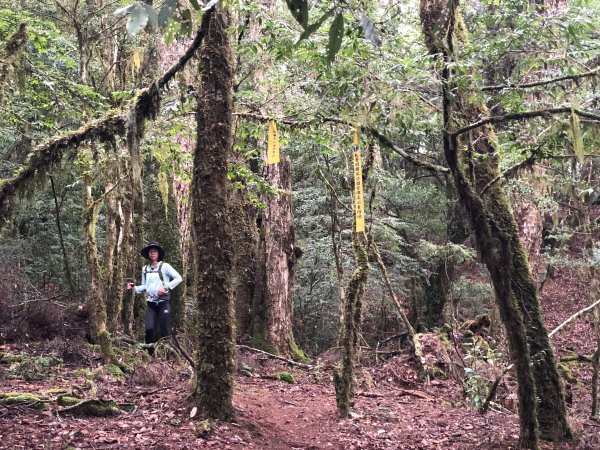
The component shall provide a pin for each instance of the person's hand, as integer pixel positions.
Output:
(129, 286)
(162, 290)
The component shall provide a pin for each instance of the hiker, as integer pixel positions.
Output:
(158, 279)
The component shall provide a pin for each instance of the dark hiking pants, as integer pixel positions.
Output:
(162, 312)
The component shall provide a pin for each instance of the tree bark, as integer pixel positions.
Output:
(212, 250)
(435, 296)
(276, 269)
(344, 376)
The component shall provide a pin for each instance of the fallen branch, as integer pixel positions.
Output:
(281, 358)
(95, 408)
(572, 318)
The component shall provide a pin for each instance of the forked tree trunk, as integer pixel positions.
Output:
(551, 411)
(276, 269)
(212, 250)
(493, 241)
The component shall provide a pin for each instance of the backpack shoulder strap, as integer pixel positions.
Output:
(145, 269)
(160, 273)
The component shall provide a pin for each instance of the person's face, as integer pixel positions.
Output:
(153, 254)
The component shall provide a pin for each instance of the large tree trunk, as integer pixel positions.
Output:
(245, 242)
(212, 241)
(276, 269)
(96, 300)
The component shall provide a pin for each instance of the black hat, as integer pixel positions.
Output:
(156, 245)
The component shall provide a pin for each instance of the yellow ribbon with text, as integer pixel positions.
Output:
(359, 204)
(272, 144)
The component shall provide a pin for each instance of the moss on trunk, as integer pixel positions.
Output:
(212, 251)
(344, 375)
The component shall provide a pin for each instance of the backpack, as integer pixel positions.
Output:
(160, 273)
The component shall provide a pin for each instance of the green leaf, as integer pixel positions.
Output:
(138, 19)
(315, 26)
(336, 33)
(299, 9)
(186, 22)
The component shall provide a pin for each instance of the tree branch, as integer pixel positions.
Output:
(524, 115)
(499, 87)
(365, 129)
(529, 162)
(113, 123)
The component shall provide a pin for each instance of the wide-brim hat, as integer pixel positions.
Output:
(150, 245)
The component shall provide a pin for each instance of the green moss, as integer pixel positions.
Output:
(203, 428)
(56, 391)
(67, 400)
(8, 358)
(260, 342)
(114, 371)
(27, 398)
(286, 377)
(299, 355)
(86, 373)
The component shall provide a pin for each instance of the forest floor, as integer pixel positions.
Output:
(395, 408)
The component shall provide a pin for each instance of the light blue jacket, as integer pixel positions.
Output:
(151, 282)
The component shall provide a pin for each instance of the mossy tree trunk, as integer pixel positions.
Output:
(245, 241)
(441, 20)
(344, 375)
(96, 298)
(271, 327)
(212, 250)
(593, 296)
(111, 293)
(551, 412)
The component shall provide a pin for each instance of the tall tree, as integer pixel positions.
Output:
(271, 327)
(212, 248)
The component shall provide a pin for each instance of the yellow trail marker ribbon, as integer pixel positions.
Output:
(359, 204)
(272, 144)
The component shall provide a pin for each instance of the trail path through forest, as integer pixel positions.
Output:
(395, 408)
